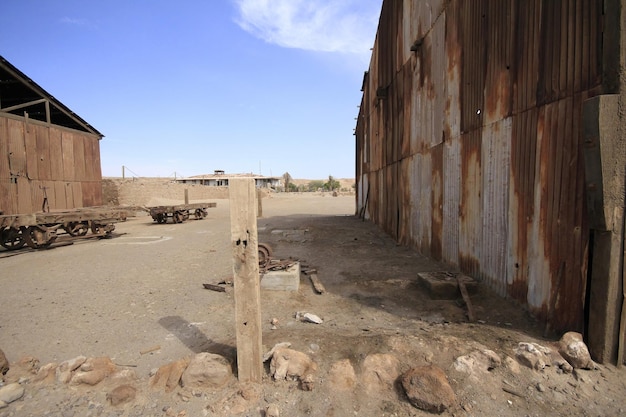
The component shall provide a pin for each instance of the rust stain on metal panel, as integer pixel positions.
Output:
(437, 202)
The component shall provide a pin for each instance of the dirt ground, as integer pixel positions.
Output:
(138, 298)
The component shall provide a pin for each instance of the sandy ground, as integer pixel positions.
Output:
(142, 291)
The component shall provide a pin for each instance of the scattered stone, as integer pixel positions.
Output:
(479, 361)
(4, 363)
(561, 364)
(167, 377)
(11, 392)
(207, 370)
(46, 373)
(312, 318)
(428, 389)
(64, 370)
(291, 363)
(379, 372)
(533, 355)
(93, 371)
(512, 365)
(3, 405)
(574, 351)
(122, 394)
(540, 387)
(272, 411)
(342, 376)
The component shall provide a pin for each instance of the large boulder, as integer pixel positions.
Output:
(428, 389)
(289, 363)
(575, 351)
(167, 377)
(207, 370)
(342, 376)
(379, 372)
(11, 392)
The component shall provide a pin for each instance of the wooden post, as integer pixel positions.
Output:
(260, 205)
(247, 286)
(186, 196)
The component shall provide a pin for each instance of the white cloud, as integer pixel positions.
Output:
(73, 21)
(343, 26)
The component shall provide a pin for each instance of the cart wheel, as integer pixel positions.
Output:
(77, 228)
(178, 217)
(11, 238)
(200, 214)
(161, 218)
(39, 237)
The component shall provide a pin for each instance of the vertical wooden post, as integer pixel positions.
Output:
(247, 287)
(260, 205)
(186, 196)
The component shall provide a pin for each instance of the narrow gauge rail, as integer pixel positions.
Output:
(180, 213)
(40, 230)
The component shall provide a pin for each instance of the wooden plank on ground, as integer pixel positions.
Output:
(466, 298)
(317, 284)
(247, 286)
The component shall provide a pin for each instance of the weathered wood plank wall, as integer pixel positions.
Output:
(469, 140)
(37, 160)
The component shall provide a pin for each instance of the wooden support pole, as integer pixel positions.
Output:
(260, 205)
(186, 196)
(247, 286)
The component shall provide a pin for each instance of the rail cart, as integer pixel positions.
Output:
(40, 230)
(180, 213)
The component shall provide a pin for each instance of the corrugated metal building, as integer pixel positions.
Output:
(46, 150)
(471, 142)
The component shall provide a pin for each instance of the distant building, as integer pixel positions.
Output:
(220, 179)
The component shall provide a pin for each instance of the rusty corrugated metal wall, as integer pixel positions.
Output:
(37, 157)
(469, 140)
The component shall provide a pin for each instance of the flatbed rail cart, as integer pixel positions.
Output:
(40, 230)
(179, 213)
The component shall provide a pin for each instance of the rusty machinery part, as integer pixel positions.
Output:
(76, 228)
(100, 229)
(200, 213)
(39, 236)
(161, 218)
(178, 217)
(265, 255)
(11, 238)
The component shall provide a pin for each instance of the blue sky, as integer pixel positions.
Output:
(187, 87)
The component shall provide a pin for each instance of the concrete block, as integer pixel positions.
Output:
(443, 285)
(282, 280)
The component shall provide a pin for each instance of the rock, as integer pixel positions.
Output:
(3, 405)
(4, 363)
(11, 392)
(64, 370)
(341, 376)
(478, 361)
(122, 394)
(93, 371)
(379, 372)
(207, 370)
(277, 346)
(46, 373)
(272, 411)
(512, 365)
(291, 363)
(533, 355)
(574, 351)
(312, 318)
(428, 389)
(167, 377)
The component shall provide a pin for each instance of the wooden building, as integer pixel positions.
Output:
(49, 156)
(490, 137)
